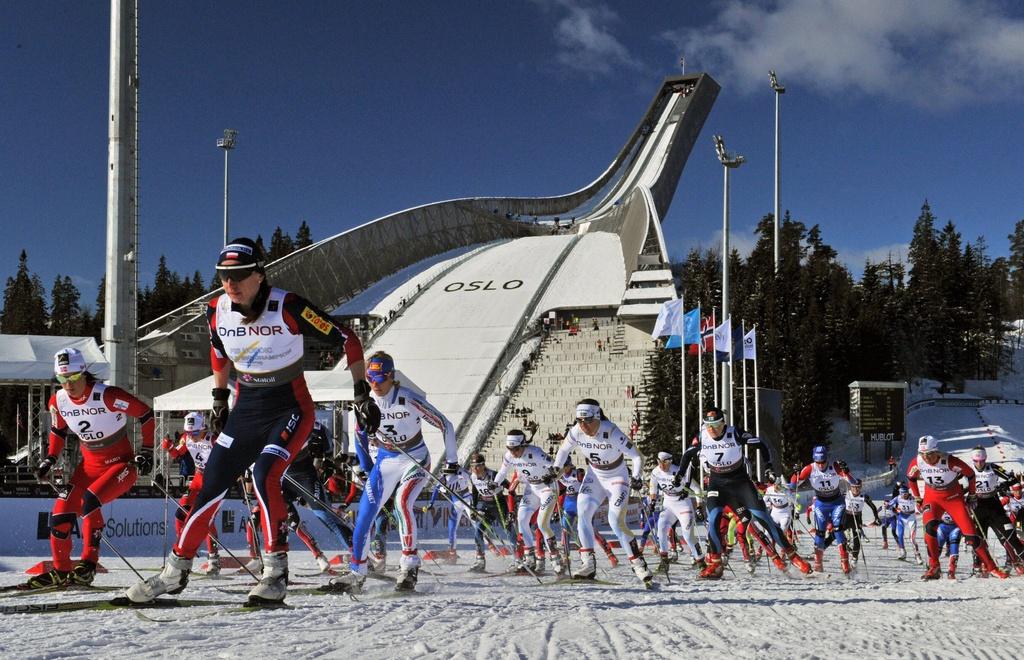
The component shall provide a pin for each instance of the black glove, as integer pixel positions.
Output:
(550, 476)
(317, 444)
(842, 466)
(367, 412)
(359, 474)
(972, 500)
(636, 483)
(144, 461)
(44, 468)
(219, 410)
(327, 469)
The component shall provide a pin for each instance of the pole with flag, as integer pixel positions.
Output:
(743, 365)
(691, 335)
(670, 322)
(750, 353)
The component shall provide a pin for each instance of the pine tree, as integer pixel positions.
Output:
(281, 245)
(66, 318)
(303, 237)
(24, 310)
(1016, 271)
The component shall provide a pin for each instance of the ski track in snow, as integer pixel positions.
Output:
(455, 615)
(765, 615)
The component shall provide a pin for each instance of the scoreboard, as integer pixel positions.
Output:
(877, 411)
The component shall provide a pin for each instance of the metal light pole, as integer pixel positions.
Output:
(779, 91)
(728, 163)
(227, 143)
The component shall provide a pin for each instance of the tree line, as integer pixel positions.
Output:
(943, 314)
(26, 310)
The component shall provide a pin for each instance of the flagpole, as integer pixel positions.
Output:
(714, 360)
(743, 333)
(700, 370)
(732, 410)
(757, 403)
(682, 372)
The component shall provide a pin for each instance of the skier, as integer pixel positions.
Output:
(905, 507)
(677, 505)
(571, 481)
(258, 331)
(989, 512)
(829, 503)
(459, 510)
(942, 473)
(888, 520)
(484, 494)
(97, 414)
(304, 472)
(401, 473)
(779, 500)
(853, 518)
(1014, 503)
(607, 478)
(536, 472)
(196, 441)
(948, 533)
(720, 449)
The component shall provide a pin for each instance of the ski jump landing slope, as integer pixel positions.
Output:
(962, 423)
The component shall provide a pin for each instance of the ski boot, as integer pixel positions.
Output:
(639, 566)
(1018, 567)
(713, 568)
(673, 557)
(588, 565)
(171, 580)
(903, 555)
(377, 562)
(212, 564)
(799, 562)
(557, 561)
(699, 564)
(819, 556)
(54, 578)
(323, 563)
(540, 568)
(452, 557)
(480, 566)
(998, 572)
(663, 564)
(409, 569)
(83, 573)
(273, 584)
(933, 572)
(844, 560)
(349, 583)
(951, 573)
(527, 564)
(254, 565)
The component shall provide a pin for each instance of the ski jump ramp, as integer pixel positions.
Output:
(469, 279)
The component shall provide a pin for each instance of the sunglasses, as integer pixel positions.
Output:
(585, 420)
(235, 275)
(70, 378)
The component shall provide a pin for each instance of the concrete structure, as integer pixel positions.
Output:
(456, 290)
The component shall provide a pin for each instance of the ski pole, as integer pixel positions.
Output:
(252, 525)
(216, 540)
(62, 492)
(452, 497)
(863, 555)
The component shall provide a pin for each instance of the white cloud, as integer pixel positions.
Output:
(584, 40)
(854, 259)
(926, 52)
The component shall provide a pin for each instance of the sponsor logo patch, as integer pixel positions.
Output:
(120, 404)
(272, 306)
(280, 452)
(318, 322)
(225, 440)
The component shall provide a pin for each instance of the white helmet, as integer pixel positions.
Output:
(68, 361)
(927, 443)
(515, 438)
(195, 422)
(979, 455)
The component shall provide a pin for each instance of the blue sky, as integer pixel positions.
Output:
(349, 111)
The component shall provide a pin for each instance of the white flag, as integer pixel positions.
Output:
(750, 345)
(670, 319)
(723, 336)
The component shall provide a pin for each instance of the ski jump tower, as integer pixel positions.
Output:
(455, 289)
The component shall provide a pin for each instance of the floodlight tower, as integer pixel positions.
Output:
(728, 163)
(227, 143)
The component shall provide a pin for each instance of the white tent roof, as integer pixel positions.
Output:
(324, 386)
(29, 358)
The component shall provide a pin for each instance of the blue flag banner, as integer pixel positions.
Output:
(691, 326)
(674, 341)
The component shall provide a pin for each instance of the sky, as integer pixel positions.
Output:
(350, 111)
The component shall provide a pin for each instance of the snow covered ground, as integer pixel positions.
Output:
(883, 611)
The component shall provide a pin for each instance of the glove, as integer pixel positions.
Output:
(166, 443)
(144, 461)
(842, 466)
(367, 412)
(219, 410)
(636, 483)
(972, 500)
(44, 468)
(327, 469)
(317, 445)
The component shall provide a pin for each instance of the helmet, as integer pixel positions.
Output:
(979, 454)
(68, 361)
(855, 482)
(819, 453)
(195, 422)
(476, 459)
(904, 490)
(515, 438)
(714, 417)
(927, 443)
(664, 456)
(1015, 488)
